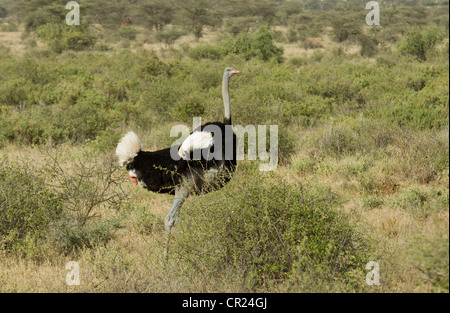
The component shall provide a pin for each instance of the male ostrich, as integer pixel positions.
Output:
(204, 161)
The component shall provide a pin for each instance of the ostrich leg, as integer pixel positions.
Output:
(181, 193)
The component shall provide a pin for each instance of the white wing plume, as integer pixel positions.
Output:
(196, 140)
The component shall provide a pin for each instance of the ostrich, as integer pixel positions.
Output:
(186, 174)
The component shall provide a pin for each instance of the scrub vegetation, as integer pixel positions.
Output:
(362, 113)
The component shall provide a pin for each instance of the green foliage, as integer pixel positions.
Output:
(190, 108)
(241, 24)
(419, 43)
(195, 15)
(422, 203)
(44, 14)
(205, 52)
(157, 13)
(433, 262)
(57, 205)
(259, 45)
(168, 36)
(127, 32)
(345, 27)
(62, 37)
(368, 46)
(370, 202)
(267, 231)
(70, 237)
(27, 208)
(3, 12)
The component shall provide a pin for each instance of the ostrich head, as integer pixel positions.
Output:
(230, 71)
(126, 151)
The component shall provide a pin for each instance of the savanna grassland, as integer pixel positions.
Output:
(363, 170)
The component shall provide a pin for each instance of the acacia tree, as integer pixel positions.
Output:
(195, 15)
(158, 13)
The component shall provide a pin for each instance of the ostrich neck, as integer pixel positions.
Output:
(226, 99)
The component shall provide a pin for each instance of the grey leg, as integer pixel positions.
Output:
(181, 193)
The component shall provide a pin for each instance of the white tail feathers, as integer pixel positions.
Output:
(128, 148)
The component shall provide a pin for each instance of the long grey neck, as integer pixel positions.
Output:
(226, 100)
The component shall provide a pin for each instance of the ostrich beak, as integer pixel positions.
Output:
(235, 72)
(134, 179)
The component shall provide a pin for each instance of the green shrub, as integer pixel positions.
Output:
(432, 260)
(69, 236)
(190, 108)
(421, 203)
(127, 32)
(260, 230)
(45, 14)
(259, 45)
(205, 52)
(27, 208)
(346, 27)
(87, 188)
(62, 37)
(370, 202)
(168, 36)
(369, 46)
(419, 43)
(58, 205)
(77, 38)
(3, 12)
(241, 24)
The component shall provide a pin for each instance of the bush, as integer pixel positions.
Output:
(420, 203)
(27, 207)
(58, 205)
(419, 43)
(260, 230)
(205, 52)
(62, 37)
(432, 260)
(44, 14)
(127, 32)
(346, 27)
(168, 36)
(368, 46)
(241, 24)
(3, 12)
(259, 45)
(87, 188)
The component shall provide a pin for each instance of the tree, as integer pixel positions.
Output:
(168, 36)
(158, 13)
(195, 15)
(418, 43)
(346, 27)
